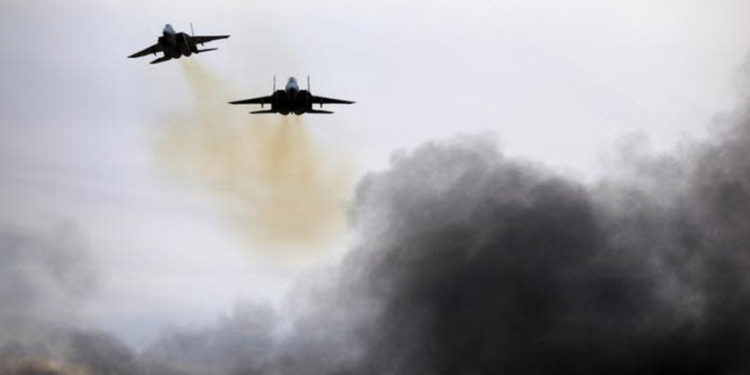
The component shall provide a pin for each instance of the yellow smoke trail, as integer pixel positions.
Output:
(277, 186)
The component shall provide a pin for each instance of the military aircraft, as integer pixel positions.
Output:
(174, 45)
(291, 100)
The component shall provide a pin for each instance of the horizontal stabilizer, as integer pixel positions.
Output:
(161, 59)
(319, 111)
(206, 50)
(263, 111)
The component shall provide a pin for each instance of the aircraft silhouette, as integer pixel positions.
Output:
(175, 45)
(291, 100)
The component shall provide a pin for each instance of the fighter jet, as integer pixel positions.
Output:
(291, 100)
(174, 45)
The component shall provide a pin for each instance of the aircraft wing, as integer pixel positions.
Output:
(259, 100)
(324, 100)
(207, 38)
(148, 51)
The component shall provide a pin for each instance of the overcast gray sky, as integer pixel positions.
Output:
(559, 84)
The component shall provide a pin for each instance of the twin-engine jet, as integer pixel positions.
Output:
(291, 100)
(175, 45)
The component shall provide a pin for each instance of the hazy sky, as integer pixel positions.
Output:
(559, 84)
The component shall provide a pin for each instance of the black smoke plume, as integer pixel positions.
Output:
(484, 265)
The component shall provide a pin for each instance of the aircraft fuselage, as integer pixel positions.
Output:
(176, 45)
(291, 99)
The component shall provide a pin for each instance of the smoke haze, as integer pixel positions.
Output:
(467, 261)
(47, 277)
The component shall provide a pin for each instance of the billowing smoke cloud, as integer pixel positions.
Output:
(471, 262)
(273, 182)
(487, 265)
